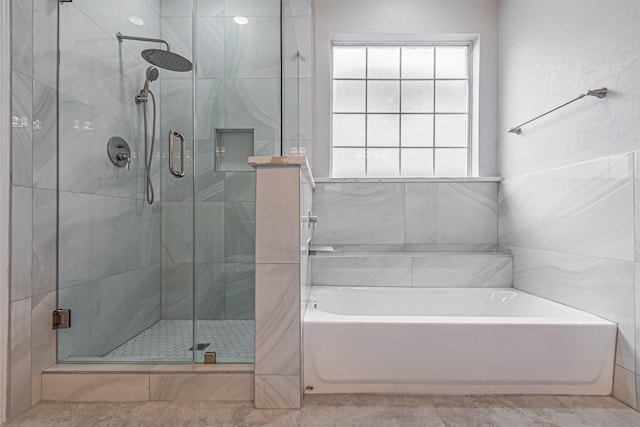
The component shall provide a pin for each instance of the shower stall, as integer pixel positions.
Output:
(160, 102)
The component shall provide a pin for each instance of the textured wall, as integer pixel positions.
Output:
(551, 51)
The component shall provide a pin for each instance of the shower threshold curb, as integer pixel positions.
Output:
(148, 382)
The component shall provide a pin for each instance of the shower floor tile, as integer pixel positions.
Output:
(232, 340)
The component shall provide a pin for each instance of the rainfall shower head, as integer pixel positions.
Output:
(158, 57)
(167, 60)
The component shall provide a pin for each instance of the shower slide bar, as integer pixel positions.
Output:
(598, 93)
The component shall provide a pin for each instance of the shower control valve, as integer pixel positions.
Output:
(124, 157)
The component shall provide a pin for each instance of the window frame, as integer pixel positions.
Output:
(469, 44)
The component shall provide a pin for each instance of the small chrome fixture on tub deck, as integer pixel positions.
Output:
(598, 93)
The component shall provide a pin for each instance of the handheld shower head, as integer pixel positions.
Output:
(152, 75)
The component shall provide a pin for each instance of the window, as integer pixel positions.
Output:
(400, 110)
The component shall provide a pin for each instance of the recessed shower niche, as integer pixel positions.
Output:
(233, 147)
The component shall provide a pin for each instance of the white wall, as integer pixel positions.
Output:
(403, 20)
(551, 51)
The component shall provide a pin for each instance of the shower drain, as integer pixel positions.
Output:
(200, 346)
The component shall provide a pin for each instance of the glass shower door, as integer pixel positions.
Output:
(125, 228)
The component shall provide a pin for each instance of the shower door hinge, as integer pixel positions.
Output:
(61, 318)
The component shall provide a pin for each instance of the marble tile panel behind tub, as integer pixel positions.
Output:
(45, 135)
(374, 270)
(21, 129)
(359, 213)
(44, 252)
(584, 209)
(421, 213)
(43, 341)
(467, 213)
(21, 242)
(109, 311)
(20, 357)
(106, 235)
(601, 286)
(462, 270)
(22, 36)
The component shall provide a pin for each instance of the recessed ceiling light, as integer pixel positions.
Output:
(242, 20)
(136, 20)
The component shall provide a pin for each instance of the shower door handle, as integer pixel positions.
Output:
(177, 133)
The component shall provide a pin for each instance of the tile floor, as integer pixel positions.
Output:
(347, 410)
(232, 340)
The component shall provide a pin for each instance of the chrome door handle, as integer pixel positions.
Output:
(177, 133)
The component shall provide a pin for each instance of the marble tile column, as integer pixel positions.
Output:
(278, 333)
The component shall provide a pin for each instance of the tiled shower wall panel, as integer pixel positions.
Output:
(396, 216)
(109, 268)
(33, 202)
(237, 87)
(573, 235)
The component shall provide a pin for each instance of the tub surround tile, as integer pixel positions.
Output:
(463, 270)
(373, 270)
(278, 217)
(95, 387)
(359, 213)
(201, 387)
(601, 286)
(278, 328)
(585, 209)
(278, 391)
(20, 357)
(624, 386)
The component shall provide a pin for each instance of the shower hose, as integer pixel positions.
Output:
(148, 154)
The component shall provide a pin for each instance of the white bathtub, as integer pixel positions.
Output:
(452, 341)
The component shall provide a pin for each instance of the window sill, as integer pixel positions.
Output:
(410, 179)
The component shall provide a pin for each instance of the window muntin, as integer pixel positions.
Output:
(400, 110)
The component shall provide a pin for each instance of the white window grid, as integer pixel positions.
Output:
(400, 113)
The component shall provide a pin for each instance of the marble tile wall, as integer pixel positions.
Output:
(283, 203)
(572, 232)
(109, 237)
(237, 86)
(33, 201)
(397, 216)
